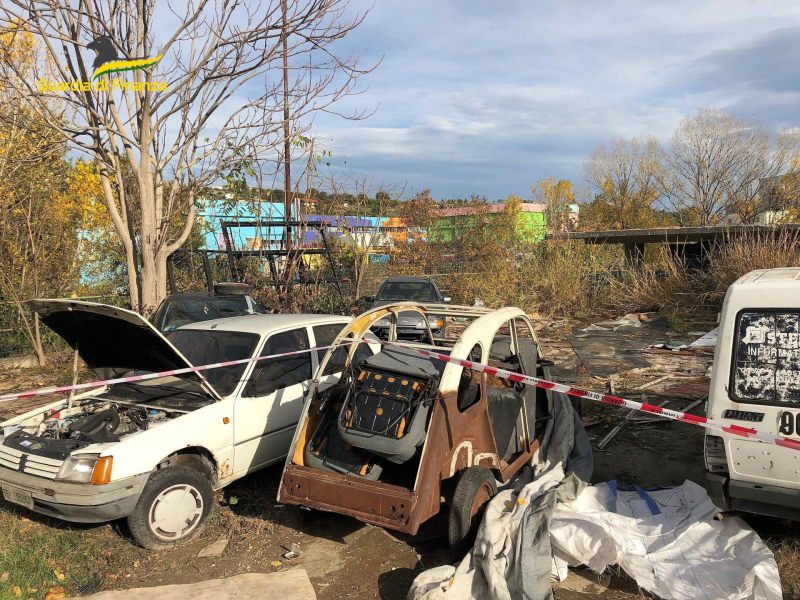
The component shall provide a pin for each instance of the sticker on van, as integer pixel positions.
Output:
(767, 362)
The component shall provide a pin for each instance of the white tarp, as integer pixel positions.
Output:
(668, 540)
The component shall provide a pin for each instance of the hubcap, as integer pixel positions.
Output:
(176, 512)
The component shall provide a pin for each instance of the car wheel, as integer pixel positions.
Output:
(474, 489)
(172, 509)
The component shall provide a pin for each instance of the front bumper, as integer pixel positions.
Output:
(78, 502)
(769, 500)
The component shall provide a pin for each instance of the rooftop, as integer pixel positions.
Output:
(491, 208)
(263, 324)
(767, 276)
(670, 234)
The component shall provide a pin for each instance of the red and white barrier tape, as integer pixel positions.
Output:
(229, 363)
(745, 432)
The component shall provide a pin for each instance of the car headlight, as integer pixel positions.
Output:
(77, 469)
(384, 322)
(86, 469)
(436, 323)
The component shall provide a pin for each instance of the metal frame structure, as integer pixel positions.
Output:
(270, 254)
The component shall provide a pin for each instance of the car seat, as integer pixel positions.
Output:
(387, 410)
(329, 452)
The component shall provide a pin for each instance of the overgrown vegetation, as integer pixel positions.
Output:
(669, 287)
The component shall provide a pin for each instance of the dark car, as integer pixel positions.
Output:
(227, 300)
(410, 323)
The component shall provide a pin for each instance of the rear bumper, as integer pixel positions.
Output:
(78, 502)
(372, 502)
(770, 500)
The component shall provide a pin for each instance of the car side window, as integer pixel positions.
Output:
(274, 374)
(469, 386)
(324, 336)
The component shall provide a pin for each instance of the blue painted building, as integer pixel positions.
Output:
(212, 213)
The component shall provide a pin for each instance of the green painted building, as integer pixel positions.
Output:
(450, 221)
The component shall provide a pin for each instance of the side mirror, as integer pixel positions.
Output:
(447, 299)
(369, 298)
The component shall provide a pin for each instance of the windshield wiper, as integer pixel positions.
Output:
(132, 386)
(172, 388)
(142, 389)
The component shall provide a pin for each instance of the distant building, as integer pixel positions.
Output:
(448, 221)
(776, 196)
(212, 213)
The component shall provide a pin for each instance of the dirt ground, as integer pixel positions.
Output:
(345, 558)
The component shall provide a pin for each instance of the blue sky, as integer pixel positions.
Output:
(487, 97)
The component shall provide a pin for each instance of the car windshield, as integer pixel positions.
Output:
(421, 291)
(202, 347)
(180, 312)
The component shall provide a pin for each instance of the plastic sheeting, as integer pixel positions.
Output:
(511, 556)
(666, 539)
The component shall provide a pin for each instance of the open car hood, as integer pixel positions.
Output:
(113, 341)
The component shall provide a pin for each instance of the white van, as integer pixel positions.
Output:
(756, 383)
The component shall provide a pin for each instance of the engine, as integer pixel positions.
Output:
(100, 422)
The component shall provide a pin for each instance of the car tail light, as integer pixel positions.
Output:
(102, 470)
(716, 459)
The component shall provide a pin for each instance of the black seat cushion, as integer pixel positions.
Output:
(504, 409)
(406, 362)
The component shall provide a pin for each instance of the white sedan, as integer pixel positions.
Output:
(155, 450)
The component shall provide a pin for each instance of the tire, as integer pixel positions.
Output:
(155, 524)
(474, 489)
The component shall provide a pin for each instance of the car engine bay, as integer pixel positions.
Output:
(108, 417)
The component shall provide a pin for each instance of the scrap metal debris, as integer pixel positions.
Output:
(606, 440)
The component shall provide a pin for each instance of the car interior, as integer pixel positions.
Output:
(373, 423)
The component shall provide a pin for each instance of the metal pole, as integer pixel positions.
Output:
(207, 268)
(333, 266)
(74, 376)
(287, 143)
(227, 237)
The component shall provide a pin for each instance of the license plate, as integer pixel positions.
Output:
(18, 496)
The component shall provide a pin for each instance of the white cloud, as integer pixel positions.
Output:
(488, 97)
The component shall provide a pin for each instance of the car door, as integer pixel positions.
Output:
(266, 412)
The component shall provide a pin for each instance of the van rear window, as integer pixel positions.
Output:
(767, 364)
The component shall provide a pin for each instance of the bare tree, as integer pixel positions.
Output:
(360, 216)
(718, 164)
(217, 92)
(625, 178)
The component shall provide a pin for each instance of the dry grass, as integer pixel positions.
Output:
(787, 555)
(677, 293)
(746, 254)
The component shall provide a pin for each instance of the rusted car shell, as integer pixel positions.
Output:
(455, 440)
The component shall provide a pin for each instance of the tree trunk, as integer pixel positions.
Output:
(150, 283)
(37, 341)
